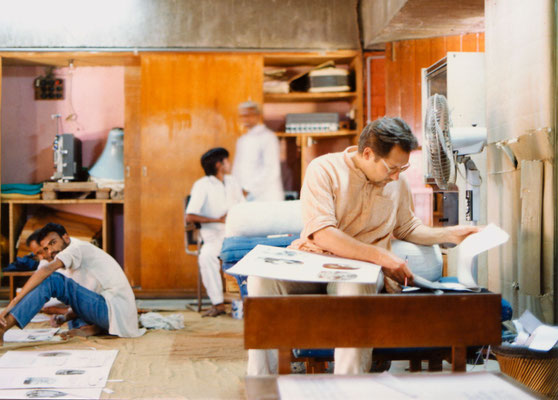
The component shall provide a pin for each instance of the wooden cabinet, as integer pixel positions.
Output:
(188, 105)
(179, 105)
(298, 149)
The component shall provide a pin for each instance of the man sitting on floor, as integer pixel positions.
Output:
(109, 307)
(210, 199)
(52, 307)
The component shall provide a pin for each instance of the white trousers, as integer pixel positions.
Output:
(210, 267)
(347, 360)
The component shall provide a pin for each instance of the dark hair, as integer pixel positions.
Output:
(34, 237)
(210, 159)
(384, 133)
(51, 227)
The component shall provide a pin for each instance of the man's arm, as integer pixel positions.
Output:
(428, 236)
(339, 243)
(35, 280)
(201, 219)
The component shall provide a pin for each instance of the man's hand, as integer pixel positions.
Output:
(396, 269)
(456, 234)
(222, 219)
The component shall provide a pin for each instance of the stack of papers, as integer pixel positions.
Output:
(473, 385)
(61, 374)
(296, 265)
(534, 334)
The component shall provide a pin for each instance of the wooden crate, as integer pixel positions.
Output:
(76, 190)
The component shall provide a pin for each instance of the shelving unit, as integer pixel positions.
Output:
(17, 213)
(301, 148)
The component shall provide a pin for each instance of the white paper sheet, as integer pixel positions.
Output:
(544, 338)
(320, 387)
(59, 358)
(295, 265)
(473, 245)
(53, 377)
(473, 385)
(40, 317)
(51, 393)
(29, 335)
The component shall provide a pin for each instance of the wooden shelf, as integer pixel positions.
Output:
(309, 97)
(316, 135)
(62, 201)
(302, 59)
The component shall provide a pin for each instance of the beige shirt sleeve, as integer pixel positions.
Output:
(317, 199)
(406, 221)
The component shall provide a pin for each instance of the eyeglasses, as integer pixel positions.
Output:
(393, 170)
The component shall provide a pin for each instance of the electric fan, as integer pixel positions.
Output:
(447, 146)
(438, 142)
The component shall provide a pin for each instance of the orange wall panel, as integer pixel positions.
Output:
(403, 63)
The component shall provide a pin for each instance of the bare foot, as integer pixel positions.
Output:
(84, 331)
(10, 321)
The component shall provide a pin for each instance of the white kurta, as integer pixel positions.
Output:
(257, 165)
(212, 198)
(99, 272)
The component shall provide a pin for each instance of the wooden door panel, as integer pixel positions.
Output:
(188, 105)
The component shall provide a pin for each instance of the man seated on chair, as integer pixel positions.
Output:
(109, 307)
(353, 202)
(210, 199)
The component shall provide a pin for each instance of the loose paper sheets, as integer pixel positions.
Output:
(295, 265)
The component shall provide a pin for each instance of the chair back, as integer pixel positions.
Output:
(192, 237)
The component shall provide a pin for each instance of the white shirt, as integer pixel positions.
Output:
(101, 273)
(212, 198)
(257, 166)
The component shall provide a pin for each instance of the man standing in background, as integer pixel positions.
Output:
(257, 166)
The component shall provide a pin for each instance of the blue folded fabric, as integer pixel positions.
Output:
(26, 263)
(22, 188)
(236, 247)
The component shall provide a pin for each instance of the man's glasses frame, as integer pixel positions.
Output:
(393, 170)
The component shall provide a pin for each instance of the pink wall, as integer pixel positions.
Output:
(93, 104)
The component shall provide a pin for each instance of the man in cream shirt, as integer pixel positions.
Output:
(257, 166)
(108, 307)
(353, 203)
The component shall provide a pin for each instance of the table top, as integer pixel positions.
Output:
(266, 388)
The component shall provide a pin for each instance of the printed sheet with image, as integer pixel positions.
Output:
(29, 335)
(295, 265)
(60, 374)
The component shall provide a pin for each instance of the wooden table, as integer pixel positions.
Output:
(265, 387)
(455, 320)
(11, 276)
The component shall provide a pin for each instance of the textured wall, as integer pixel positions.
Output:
(309, 24)
(520, 117)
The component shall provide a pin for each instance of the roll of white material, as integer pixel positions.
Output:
(262, 218)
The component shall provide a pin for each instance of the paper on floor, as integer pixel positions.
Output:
(29, 335)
